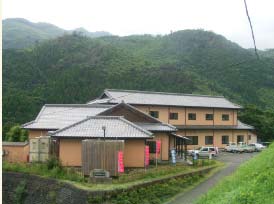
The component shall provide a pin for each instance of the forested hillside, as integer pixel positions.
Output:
(76, 69)
(20, 33)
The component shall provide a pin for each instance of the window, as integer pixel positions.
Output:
(225, 117)
(208, 140)
(209, 116)
(240, 138)
(192, 116)
(154, 114)
(225, 139)
(173, 116)
(249, 137)
(194, 140)
(152, 146)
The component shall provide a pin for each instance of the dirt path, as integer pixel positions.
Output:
(232, 161)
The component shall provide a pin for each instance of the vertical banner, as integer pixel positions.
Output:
(158, 146)
(146, 155)
(121, 168)
(173, 156)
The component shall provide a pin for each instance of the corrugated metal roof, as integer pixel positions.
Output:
(56, 116)
(164, 99)
(116, 127)
(240, 126)
(157, 127)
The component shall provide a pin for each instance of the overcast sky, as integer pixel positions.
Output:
(126, 17)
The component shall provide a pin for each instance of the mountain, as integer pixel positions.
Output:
(75, 69)
(20, 33)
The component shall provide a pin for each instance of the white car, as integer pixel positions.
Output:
(192, 151)
(258, 147)
(207, 151)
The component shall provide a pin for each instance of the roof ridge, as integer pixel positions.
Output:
(78, 105)
(99, 117)
(163, 93)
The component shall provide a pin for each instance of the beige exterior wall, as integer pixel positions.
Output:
(37, 133)
(164, 152)
(70, 152)
(217, 136)
(200, 115)
(134, 153)
(16, 154)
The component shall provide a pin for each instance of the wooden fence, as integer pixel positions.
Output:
(100, 154)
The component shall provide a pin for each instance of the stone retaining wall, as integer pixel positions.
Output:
(50, 191)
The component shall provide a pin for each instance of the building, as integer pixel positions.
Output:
(206, 120)
(70, 124)
(140, 118)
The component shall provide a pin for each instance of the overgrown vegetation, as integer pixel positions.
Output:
(154, 194)
(51, 168)
(162, 170)
(20, 192)
(252, 183)
(16, 134)
(76, 69)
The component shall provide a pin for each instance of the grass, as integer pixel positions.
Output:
(252, 183)
(150, 194)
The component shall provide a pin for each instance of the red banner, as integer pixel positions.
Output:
(158, 146)
(121, 168)
(146, 155)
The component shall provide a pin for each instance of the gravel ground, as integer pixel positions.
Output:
(233, 160)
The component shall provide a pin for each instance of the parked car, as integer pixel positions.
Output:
(192, 151)
(207, 151)
(258, 147)
(233, 147)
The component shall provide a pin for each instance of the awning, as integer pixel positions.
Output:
(180, 136)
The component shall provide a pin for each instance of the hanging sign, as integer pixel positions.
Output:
(121, 168)
(146, 155)
(158, 146)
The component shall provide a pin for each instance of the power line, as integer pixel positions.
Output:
(252, 32)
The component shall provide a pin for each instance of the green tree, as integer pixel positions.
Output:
(16, 134)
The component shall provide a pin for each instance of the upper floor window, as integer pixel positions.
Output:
(225, 117)
(208, 140)
(209, 116)
(193, 140)
(154, 114)
(192, 116)
(173, 116)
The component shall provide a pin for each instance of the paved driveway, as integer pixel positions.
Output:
(233, 160)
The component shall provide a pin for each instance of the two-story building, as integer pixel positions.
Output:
(206, 120)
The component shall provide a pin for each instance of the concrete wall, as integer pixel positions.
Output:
(16, 154)
(200, 115)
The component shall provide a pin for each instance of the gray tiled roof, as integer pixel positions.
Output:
(154, 127)
(162, 98)
(14, 143)
(116, 127)
(56, 116)
(240, 126)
